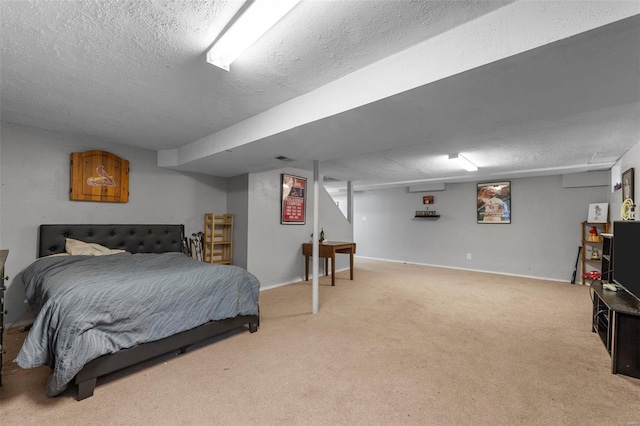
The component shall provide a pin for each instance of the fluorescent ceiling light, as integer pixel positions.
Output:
(256, 20)
(463, 162)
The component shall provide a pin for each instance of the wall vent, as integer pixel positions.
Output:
(604, 157)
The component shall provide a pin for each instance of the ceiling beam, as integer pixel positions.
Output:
(508, 31)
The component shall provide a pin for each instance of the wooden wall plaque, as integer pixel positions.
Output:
(99, 176)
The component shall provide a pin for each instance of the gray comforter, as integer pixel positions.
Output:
(88, 306)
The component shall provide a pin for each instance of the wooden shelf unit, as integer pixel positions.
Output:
(588, 262)
(218, 238)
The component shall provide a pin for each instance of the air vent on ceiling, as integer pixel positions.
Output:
(283, 158)
(604, 157)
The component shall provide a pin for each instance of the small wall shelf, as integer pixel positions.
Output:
(433, 216)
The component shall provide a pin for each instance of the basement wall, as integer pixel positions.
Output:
(274, 251)
(541, 241)
(238, 206)
(34, 171)
(631, 159)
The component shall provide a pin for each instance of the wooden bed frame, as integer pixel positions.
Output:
(134, 239)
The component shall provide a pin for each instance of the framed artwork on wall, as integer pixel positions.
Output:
(293, 194)
(598, 213)
(628, 189)
(99, 176)
(494, 202)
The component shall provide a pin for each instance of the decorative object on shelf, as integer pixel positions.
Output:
(628, 210)
(292, 196)
(99, 176)
(593, 235)
(628, 187)
(595, 254)
(494, 202)
(426, 213)
(592, 275)
(428, 199)
(598, 213)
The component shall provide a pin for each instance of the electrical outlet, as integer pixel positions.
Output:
(468, 256)
(364, 218)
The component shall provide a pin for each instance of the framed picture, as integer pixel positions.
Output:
(598, 213)
(628, 185)
(293, 194)
(99, 176)
(494, 202)
(428, 199)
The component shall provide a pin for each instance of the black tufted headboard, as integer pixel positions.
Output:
(132, 238)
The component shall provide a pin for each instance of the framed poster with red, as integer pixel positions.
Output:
(293, 196)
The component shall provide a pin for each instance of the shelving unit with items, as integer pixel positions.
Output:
(218, 238)
(592, 245)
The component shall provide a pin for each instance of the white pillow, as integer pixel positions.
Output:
(58, 254)
(80, 248)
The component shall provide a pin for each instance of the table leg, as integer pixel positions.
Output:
(333, 269)
(326, 266)
(306, 268)
(351, 262)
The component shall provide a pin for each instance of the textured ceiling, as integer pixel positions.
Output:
(134, 72)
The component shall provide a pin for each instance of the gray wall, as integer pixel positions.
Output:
(274, 251)
(629, 160)
(238, 205)
(542, 240)
(34, 172)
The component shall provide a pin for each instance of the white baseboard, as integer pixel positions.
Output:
(268, 287)
(467, 269)
(276, 285)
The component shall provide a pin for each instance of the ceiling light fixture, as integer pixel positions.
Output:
(463, 162)
(256, 19)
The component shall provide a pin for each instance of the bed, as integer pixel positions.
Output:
(149, 300)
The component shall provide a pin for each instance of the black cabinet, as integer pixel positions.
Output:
(607, 258)
(616, 319)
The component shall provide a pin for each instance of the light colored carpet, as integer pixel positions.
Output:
(401, 344)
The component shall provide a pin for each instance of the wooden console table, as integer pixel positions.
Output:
(326, 251)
